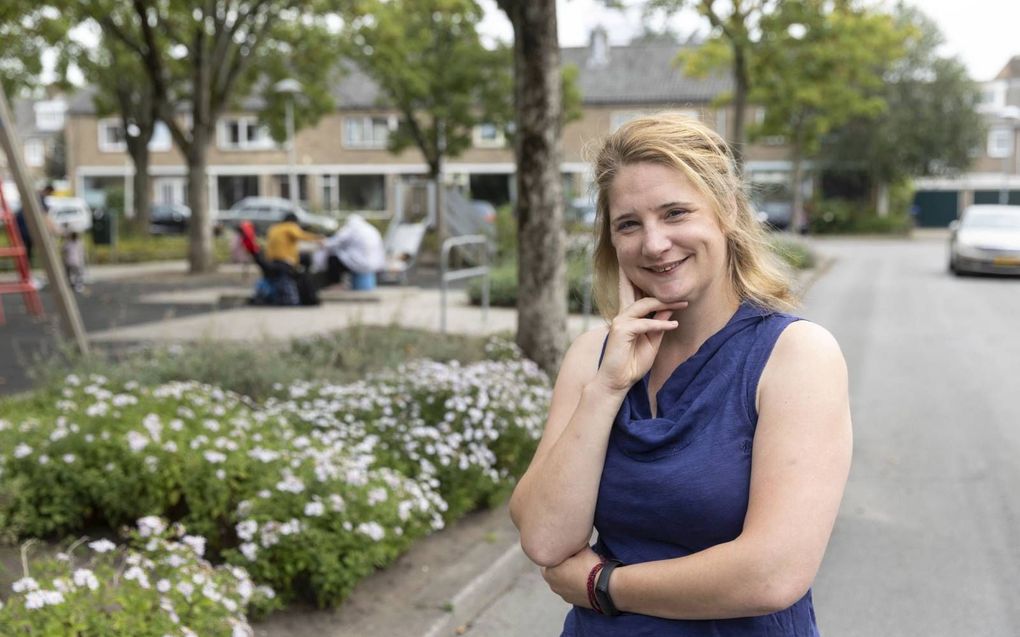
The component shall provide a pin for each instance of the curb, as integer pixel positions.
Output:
(480, 592)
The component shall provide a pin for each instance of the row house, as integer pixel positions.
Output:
(343, 163)
(994, 176)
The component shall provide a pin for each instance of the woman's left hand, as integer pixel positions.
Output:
(569, 579)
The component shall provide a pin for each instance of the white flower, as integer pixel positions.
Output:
(290, 484)
(186, 588)
(85, 577)
(151, 525)
(246, 530)
(214, 456)
(38, 599)
(135, 573)
(68, 458)
(22, 450)
(292, 527)
(314, 509)
(102, 546)
(373, 530)
(44, 459)
(196, 542)
(377, 495)
(163, 585)
(221, 474)
(336, 502)
(136, 441)
(25, 584)
(249, 550)
(240, 629)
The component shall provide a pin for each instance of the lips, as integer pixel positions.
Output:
(664, 268)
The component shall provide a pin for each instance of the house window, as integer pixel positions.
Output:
(1000, 142)
(49, 115)
(283, 187)
(244, 133)
(160, 141)
(111, 136)
(35, 153)
(488, 135)
(367, 131)
(361, 192)
(330, 199)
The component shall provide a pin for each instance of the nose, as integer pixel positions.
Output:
(655, 241)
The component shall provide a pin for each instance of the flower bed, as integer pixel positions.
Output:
(309, 492)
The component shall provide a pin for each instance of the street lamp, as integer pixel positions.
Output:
(1011, 114)
(290, 87)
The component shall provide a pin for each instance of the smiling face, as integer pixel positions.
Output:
(666, 235)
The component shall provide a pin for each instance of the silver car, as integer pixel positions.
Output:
(986, 239)
(266, 211)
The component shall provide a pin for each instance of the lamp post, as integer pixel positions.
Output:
(290, 87)
(1011, 114)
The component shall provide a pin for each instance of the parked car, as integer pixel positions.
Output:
(263, 212)
(69, 214)
(986, 239)
(775, 214)
(169, 218)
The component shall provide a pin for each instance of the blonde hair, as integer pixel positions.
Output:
(687, 145)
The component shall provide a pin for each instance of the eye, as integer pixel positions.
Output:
(676, 213)
(625, 225)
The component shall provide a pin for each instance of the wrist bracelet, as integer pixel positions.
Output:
(594, 603)
(602, 588)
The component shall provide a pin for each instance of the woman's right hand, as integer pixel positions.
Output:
(634, 337)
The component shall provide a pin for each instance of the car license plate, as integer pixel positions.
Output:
(1006, 261)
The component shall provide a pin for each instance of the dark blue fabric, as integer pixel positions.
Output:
(678, 483)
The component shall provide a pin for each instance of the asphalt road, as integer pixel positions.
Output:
(928, 537)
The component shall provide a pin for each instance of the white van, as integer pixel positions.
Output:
(70, 214)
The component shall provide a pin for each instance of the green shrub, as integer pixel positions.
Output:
(138, 248)
(838, 216)
(337, 479)
(158, 586)
(254, 371)
(503, 286)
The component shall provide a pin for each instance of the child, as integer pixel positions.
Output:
(73, 253)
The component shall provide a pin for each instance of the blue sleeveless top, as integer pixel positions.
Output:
(678, 483)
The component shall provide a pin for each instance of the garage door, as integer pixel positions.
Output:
(992, 196)
(935, 208)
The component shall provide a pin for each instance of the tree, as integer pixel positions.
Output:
(201, 57)
(429, 61)
(542, 296)
(735, 27)
(122, 88)
(819, 64)
(930, 123)
(27, 28)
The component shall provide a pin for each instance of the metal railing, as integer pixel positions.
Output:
(446, 275)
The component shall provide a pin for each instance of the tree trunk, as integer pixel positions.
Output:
(740, 89)
(200, 248)
(798, 220)
(140, 158)
(541, 263)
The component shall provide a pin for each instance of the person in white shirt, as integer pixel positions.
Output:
(356, 247)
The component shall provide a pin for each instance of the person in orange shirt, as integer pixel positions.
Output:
(283, 257)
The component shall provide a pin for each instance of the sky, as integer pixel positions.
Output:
(983, 34)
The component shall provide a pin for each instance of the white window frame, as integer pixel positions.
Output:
(481, 139)
(106, 146)
(245, 124)
(1000, 142)
(363, 123)
(329, 191)
(35, 153)
(49, 115)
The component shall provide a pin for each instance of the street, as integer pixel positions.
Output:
(926, 540)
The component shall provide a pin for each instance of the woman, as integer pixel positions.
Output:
(703, 433)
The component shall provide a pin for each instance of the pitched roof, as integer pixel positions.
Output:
(1011, 70)
(642, 73)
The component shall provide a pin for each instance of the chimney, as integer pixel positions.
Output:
(598, 48)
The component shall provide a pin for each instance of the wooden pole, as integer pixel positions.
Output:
(67, 307)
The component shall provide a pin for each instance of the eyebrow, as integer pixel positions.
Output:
(665, 206)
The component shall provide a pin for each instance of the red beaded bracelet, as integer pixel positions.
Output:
(591, 586)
